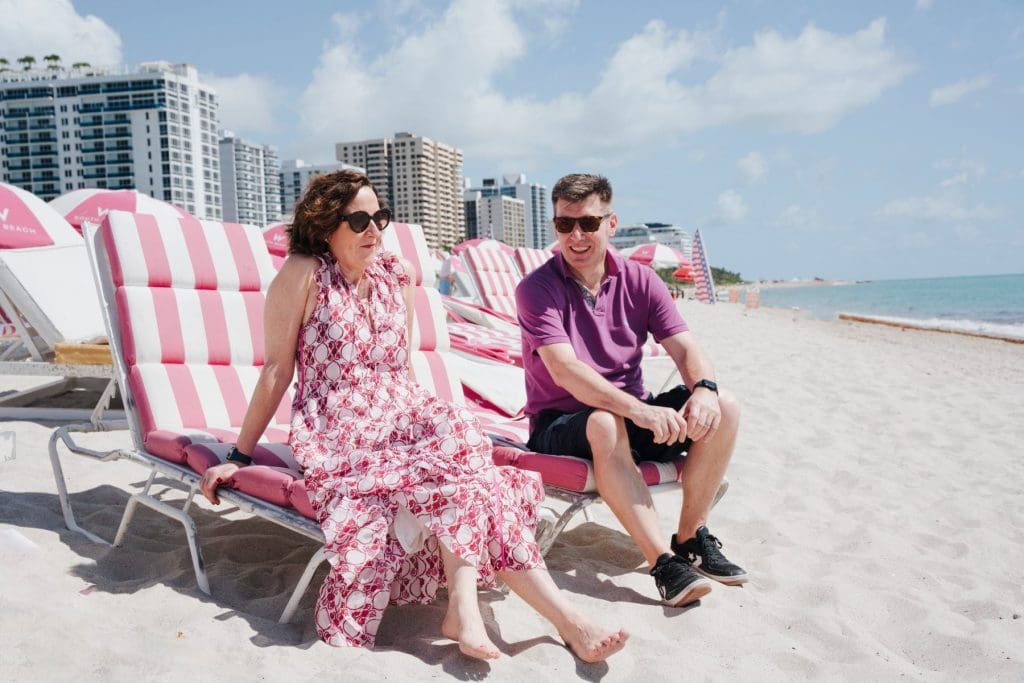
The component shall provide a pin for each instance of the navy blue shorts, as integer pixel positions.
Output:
(560, 433)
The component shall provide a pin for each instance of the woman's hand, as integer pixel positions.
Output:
(214, 477)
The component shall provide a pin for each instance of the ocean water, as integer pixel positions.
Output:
(984, 304)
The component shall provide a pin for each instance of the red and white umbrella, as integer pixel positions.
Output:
(91, 205)
(277, 239)
(483, 243)
(656, 255)
(28, 221)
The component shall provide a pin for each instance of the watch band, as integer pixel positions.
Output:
(707, 384)
(238, 457)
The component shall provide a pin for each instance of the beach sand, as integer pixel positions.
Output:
(876, 500)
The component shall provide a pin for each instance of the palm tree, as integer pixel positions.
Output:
(4, 64)
(28, 61)
(81, 65)
(52, 61)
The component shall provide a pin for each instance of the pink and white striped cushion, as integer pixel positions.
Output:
(529, 259)
(176, 325)
(496, 276)
(186, 253)
(408, 242)
(189, 297)
(496, 344)
(429, 330)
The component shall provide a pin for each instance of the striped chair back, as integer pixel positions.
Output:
(529, 259)
(496, 277)
(430, 340)
(189, 304)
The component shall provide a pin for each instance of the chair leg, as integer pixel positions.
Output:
(143, 497)
(546, 538)
(63, 434)
(300, 588)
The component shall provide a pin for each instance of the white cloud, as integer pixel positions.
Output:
(753, 167)
(443, 81)
(248, 104)
(936, 208)
(954, 92)
(923, 5)
(796, 217)
(42, 27)
(731, 207)
(968, 171)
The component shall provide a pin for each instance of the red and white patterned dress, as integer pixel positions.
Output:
(375, 445)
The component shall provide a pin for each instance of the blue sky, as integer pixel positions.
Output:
(847, 140)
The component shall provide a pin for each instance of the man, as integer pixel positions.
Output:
(585, 316)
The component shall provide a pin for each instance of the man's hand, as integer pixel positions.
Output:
(703, 414)
(667, 425)
(214, 477)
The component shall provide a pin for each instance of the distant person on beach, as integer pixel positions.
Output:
(585, 316)
(402, 482)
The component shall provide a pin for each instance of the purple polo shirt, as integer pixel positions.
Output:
(631, 302)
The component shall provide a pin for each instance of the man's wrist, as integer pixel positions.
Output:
(708, 384)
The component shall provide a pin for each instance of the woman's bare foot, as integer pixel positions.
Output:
(592, 643)
(469, 633)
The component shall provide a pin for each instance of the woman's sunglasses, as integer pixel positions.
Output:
(360, 220)
(566, 224)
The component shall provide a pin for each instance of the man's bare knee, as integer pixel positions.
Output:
(730, 408)
(604, 430)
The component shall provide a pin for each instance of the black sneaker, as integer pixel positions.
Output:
(677, 582)
(703, 554)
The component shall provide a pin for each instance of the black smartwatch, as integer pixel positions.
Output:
(238, 457)
(707, 384)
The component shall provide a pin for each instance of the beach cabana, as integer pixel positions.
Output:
(90, 205)
(49, 309)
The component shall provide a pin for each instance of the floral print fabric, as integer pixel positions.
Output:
(372, 441)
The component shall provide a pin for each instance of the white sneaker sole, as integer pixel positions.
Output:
(694, 592)
(737, 580)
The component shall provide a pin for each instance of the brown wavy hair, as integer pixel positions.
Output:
(318, 213)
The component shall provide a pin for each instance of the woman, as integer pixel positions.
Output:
(402, 482)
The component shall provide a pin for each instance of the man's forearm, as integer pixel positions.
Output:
(589, 387)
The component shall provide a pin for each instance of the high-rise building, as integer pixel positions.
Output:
(421, 178)
(152, 128)
(538, 232)
(295, 176)
(497, 217)
(250, 180)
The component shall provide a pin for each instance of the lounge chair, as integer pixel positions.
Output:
(529, 259)
(183, 305)
(48, 295)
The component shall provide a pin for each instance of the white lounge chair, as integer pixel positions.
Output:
(48, 295)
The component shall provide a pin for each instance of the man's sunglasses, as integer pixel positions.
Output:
(566, 224)
(360, 220)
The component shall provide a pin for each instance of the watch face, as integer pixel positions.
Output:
(708, 384)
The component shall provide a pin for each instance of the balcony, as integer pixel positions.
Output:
(51, 164)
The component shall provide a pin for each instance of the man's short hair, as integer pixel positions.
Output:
(576, 187)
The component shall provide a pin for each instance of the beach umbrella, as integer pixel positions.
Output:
(656, 255)
(91, 205)
(483, 243)
(28, 221)
(683, 273)
(276, 239)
